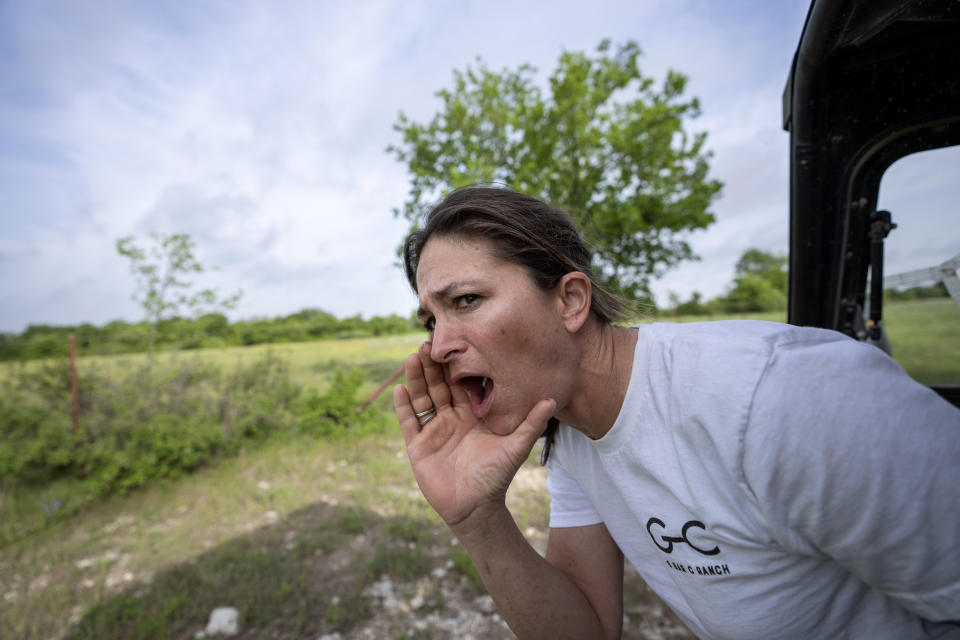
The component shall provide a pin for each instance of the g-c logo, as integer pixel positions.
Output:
(669, 541)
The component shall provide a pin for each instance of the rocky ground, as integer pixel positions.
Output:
(444, 605)
(317, 566)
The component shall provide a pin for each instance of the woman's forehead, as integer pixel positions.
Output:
(446, 261)
(443, 252)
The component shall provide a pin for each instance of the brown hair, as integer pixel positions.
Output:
(525, 231)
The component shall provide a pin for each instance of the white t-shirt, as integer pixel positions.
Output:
(770, 481)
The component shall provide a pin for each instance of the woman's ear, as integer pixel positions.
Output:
(573, 295)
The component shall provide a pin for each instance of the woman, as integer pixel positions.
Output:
(765, 480)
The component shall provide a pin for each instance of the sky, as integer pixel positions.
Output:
(260, 129)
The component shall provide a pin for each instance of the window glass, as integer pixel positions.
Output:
(922, 192)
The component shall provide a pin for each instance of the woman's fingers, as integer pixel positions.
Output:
(405, 413)
(436, 383)
(417, 386)
(459, 395)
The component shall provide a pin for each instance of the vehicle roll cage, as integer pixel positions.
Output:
(871, 82)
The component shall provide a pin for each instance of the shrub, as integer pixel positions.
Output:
(145, 424)
(334, 412)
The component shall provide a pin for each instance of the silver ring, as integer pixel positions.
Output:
(426, 419)
(420, 414)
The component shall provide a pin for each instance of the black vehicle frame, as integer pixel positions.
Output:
(871, 81)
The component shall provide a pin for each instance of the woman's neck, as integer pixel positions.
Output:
(606, 362)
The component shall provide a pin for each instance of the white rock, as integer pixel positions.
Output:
(484, 603)
(330, 636)
(223, 620)
(384, 591)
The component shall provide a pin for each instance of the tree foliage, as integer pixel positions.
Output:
(603, 142)
(209, 330)
(760, 283)
(161, 272)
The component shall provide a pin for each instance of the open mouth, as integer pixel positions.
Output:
(480, 391)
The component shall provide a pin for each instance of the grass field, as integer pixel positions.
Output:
(311, 363)
(295, 533)
(925, 339)
(925, 335)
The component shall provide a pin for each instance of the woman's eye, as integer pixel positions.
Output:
(465, 300)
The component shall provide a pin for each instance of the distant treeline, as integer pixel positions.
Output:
(938, 290)
(211, 330)
(751, 294)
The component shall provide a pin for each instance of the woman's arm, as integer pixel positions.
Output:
(463, 470)
(577, 592)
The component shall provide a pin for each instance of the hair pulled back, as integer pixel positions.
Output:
(520, 229)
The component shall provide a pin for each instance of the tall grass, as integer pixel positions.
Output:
(140, 423)
(925, 339)
(291, 529)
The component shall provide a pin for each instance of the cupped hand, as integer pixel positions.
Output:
(460, 465)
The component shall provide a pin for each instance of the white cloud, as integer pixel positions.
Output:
(260, 129)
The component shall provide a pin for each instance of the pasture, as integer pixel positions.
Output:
(297, 531)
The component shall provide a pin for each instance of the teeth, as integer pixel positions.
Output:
(484, 385)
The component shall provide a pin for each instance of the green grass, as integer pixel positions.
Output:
(311, 363)
(283, 533)
(925, 339)
(291, 532)
(75, 559)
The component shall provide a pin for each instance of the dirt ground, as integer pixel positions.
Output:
(324, 571)
(443, 606)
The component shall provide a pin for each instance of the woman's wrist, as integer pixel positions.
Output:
(484, 523)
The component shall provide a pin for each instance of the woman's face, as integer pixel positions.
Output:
(498, 334)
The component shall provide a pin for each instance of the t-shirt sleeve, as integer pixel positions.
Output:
(569, 506)
(852, 460)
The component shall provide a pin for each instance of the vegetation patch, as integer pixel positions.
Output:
(149, 423)
(281, 589)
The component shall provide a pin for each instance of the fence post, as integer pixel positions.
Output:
(376, 392)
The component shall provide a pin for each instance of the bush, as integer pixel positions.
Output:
(754, 293)
(334, 412)
(145, 424)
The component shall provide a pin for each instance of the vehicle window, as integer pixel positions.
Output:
(922, 193)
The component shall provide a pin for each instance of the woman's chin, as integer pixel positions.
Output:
(501, 425)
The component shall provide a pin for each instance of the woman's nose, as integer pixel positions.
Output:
(446, 342)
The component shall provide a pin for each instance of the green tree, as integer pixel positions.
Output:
(771, 267)
(695, 306)
(163, 290)
(603, 142)
(760, 283)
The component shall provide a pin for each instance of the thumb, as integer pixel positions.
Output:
(536, 421)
